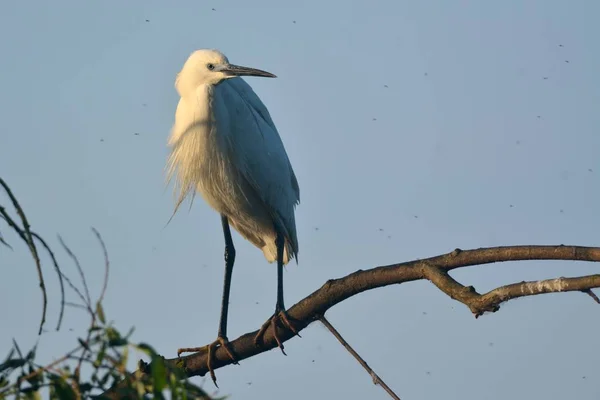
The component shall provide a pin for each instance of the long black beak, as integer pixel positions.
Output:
(237, 70)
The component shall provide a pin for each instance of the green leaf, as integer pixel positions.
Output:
(104, 379)
(128, 335)
(32, 394)
(196, 392)
(124, 358)
(83, 343)
(36, 379)
(117, 342)
(114, 337)
(100, 356)
(31, 355)
(100, 312)
(61, 389)
(17, 348)
(86, 387)
(159, 375)
(146, 348)
(10, 354)
(12, 364)
(112, 333)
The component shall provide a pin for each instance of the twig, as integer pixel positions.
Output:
(60, 278)
(592, 295)
(93, 313)
(77, 291)
(79, 269)
(2, 241)
(75, 305)
(25, 234)
(376, 379)
(106, 264)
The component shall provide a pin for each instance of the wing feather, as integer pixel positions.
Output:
(257, 151)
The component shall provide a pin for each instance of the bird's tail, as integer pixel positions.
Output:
(270, 252)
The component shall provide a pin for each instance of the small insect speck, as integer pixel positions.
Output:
(567, 61)
(257, 302)
(426, 74)
(583, 377)
(102, 140)
(545, 78)
(137, 134)
(424, 313)
(416, 216)
(147, 20)
(248, 383)
(294, 22)
(428, 373)
(313, 360)
(511, 206)
(385, 86)
(389, 236)
(144, 104)
(374, 119)
(316, 228)
(380, 229)
(539, 116)
(562, 211)
(590, 170)
(560, 45)
(214, 9)
(491, 344)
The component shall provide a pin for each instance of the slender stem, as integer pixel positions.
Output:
(27, 237)
(376, 379)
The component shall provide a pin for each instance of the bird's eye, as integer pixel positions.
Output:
(210, 66)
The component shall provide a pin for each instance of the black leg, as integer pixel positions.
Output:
(222, 340)
(229, 260)
(279, 242)
(280, 312)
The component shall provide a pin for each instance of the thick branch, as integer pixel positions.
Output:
(490, 302)
(434, 269)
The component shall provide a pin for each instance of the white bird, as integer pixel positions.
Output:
(225, 146)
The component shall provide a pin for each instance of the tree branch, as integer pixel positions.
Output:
(434, 269)
(490, 302)
(376, 379)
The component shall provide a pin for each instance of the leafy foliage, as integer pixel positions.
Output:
(102, 355)
(105, 355)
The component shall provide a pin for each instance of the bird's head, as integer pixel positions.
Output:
(211, 67)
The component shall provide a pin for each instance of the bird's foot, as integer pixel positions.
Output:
(280, 317)
(221, 341)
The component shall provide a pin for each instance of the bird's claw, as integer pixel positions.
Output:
(282, 317)
(221, 341)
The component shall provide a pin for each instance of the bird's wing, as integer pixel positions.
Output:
(256, 148)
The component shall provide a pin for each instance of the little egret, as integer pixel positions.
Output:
(225, 146)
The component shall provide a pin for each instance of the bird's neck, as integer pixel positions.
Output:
(194, 108)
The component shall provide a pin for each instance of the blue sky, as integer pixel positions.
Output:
(430, 120)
